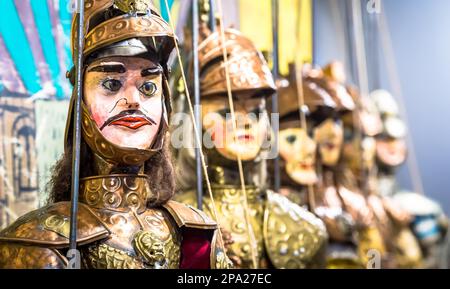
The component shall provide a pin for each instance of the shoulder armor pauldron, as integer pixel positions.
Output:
(293, 237)
(188, 216)
(50, 227)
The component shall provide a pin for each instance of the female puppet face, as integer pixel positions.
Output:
(124, 97)
(298, 151)
(391, 151)
(252, 128)
(329, 137)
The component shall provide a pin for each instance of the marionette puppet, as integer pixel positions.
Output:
(298, 118)
(391, 153)
(262, 229)
(349, 219)
(125, 218)
(362, 126)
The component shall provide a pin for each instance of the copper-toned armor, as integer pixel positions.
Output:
(107, 239)
(286, 235)
(125, 217)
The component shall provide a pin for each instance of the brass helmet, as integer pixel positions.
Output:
(121, 28)
(317, 100)
(247, 67)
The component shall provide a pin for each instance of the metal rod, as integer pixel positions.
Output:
(374, 54)
(351, 41)
(197, 111)
(77, 130)
(298, 60)
(212, 16)
(314, 32)
(363, 83)
(275, 72)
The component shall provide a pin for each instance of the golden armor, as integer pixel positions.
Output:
(126, 218)
(115, 231)
(285, 235)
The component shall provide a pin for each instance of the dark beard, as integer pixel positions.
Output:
(159, 168)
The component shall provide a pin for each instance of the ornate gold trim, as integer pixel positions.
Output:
(125, 27)
(117, 192)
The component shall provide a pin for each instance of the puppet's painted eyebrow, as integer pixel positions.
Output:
(108, 68)
(156, 70)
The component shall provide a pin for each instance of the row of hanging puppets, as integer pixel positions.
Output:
(333, 175)
(338, 155)
(332, 180)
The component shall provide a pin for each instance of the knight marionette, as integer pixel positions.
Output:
(125, 216)
(263, 229)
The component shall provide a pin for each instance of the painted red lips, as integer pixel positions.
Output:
(132, 119)
(245, 137)
(133, 122)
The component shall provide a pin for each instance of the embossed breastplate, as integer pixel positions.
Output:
(229, 202)
(140, 237)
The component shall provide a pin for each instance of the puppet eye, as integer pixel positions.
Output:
(258, 110)
(224, 112)
(291, 139)
(348, 134)
(112, 84)
(148, 88)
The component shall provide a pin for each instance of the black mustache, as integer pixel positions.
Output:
(126, 113)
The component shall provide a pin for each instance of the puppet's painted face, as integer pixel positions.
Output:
(252, 126)
(298, 150)
(391, 151)
(124, 97)
(329, 137)
(360, 154)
